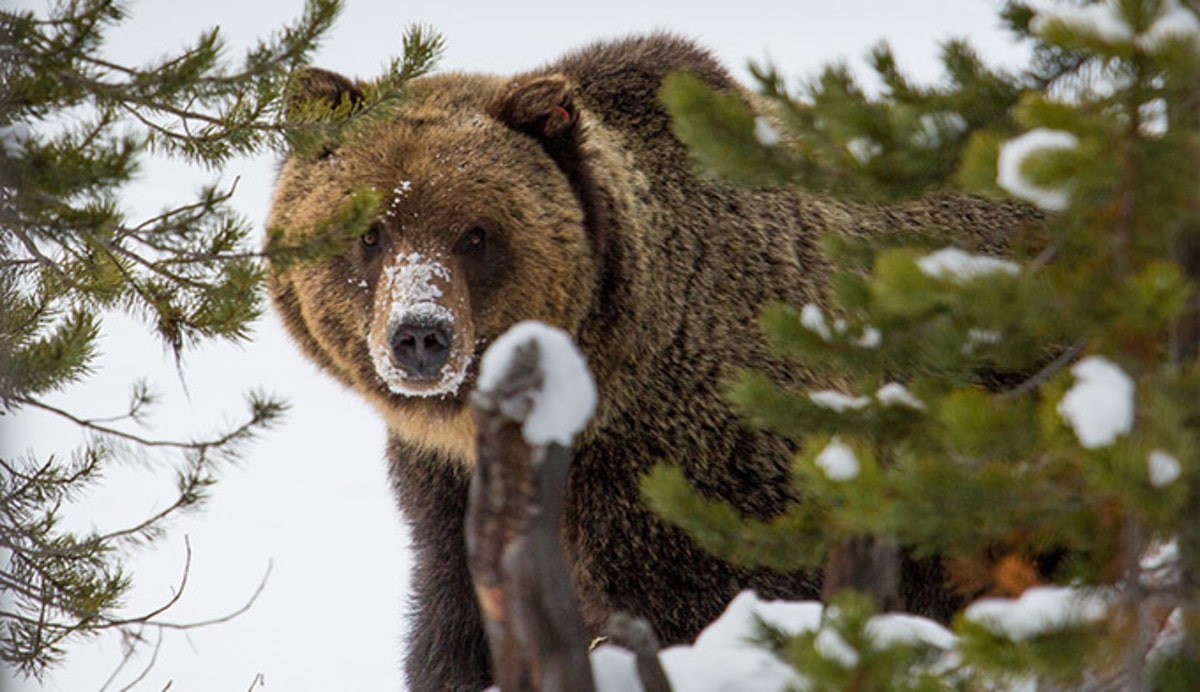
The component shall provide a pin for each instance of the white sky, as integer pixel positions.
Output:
(311, 496)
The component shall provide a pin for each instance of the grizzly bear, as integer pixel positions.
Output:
(561, 195)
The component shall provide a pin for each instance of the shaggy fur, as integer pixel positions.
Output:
(595, 222)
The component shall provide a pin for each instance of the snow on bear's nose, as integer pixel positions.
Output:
(415, 344)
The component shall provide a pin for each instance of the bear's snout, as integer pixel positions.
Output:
(420, 330)
(421, 349)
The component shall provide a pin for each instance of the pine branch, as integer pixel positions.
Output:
(1041, 413)
(188, 271)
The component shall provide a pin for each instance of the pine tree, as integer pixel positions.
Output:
(74, 127)
(1029, 419)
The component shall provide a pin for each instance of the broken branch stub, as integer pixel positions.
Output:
(514, 551)
(869, 565)
(636, 635)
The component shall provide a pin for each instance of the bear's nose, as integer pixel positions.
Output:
(421, 349)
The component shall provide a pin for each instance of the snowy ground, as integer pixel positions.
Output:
(311, 500)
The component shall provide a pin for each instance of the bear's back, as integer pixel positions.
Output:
(619, 81)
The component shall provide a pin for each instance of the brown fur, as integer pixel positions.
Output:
(599, 225)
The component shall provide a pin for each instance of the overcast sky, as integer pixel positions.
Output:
(311, 497)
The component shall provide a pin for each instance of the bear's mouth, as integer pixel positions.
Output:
(447, 385)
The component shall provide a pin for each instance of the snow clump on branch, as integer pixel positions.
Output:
(765, 132)
(566, 397)
(959, 265)
(1100, 405)
(1011, 162)
(1106, 22)
(1037, 611)
(837, 460)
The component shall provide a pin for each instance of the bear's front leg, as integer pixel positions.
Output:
(447, 650)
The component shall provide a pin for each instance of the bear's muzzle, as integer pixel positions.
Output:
(418, 345)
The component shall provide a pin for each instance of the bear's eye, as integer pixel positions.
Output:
(473, 241)
(372, 238)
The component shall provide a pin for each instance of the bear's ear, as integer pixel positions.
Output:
(542, 107)
(313, 91)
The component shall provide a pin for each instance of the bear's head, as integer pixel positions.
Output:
(480, 224)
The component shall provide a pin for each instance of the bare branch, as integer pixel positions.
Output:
(145, 670)
(98, 621)
(47, 262)
(91, 424)
(197, 207)
(1052, 368)
(262, 584)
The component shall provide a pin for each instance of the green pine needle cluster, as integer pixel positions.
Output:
(314, 126)
(953, 384)
(837, 139)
